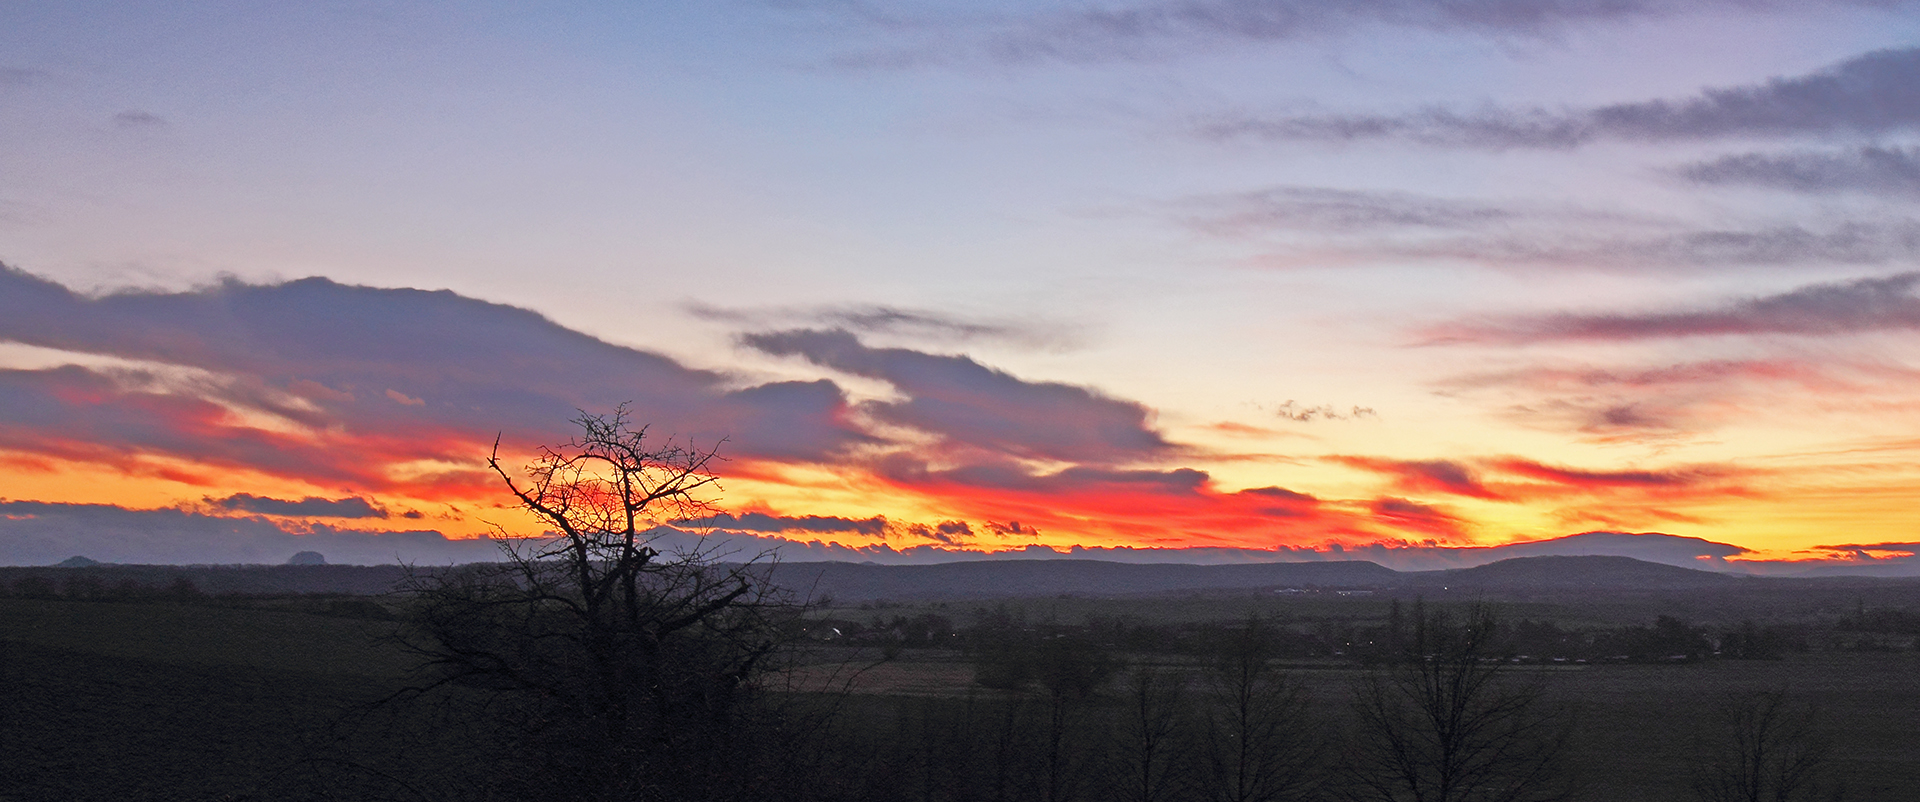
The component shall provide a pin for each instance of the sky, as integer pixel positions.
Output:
(1296, 279)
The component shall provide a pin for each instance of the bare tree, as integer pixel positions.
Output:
(1151, 735)
(1260, 745)
(625, 672)
(1767, 748)
(1445, 723)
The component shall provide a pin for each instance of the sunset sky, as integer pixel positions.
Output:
(966, 275)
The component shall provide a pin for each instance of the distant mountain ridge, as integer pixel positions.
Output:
(1525, 577)
(985, 579)
(1571, 572)
(979, 580)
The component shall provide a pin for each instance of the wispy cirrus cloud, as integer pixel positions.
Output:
(1875, 93)
(916, 324)
(135, 118)
(1852, 242)
(1358, 226)
(1879, 303)
(1448, 477)
(1685, 479)
(1664, 402)
(1869, 170)
(1329, 209)
(1516, 479)
(1161, 29)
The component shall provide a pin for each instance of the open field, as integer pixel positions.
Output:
(1636, 724)
(106, 700)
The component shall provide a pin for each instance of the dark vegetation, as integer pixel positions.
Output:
(206, 696)
(593, 667)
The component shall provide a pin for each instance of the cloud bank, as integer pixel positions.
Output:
(352, 387)
(377, 394)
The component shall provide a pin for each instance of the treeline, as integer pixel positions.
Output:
(134, 581)
(92, 585)
(992, 632)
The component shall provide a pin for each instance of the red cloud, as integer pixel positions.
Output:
(1400, 513)
(1426, 476)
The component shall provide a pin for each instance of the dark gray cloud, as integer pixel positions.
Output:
(919, 324)
(948, 532)
(1017, 478)
(1855, 242)
(1426, 476)
(1863, 553)
(41, 533)
(971, 405)
(1487, 128)
(1893, 171)
(1668, 401)
(1371, 225)
(378, 376)
(309, 507)
(762, 522)
(1280, 502)
(1160, 29)
(1012, 529)
(1875, 93)
(134, 118)
(1862, 305)
(1414, 516)
(952, 533)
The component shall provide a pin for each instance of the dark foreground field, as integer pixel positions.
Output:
(272, 699)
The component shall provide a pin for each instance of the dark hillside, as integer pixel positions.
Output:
(1575, 573)
(101, 580)
(984, 579)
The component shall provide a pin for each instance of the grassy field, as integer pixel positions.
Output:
(161, 701)
(120, 701)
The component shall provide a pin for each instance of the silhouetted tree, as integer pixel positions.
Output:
(1260, 746)
(1069, 668)
(1766, 748)
(1444, 723)
(1152, 736)
(618, 671)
